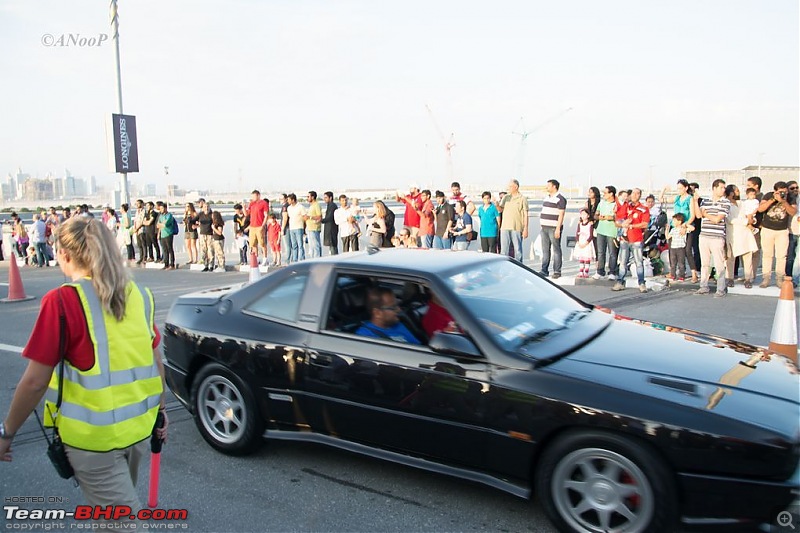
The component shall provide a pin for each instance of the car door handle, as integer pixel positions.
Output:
(320, 360)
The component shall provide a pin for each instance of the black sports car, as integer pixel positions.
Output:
(499, 377)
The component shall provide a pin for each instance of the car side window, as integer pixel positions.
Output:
(349, 312)
(282, 301)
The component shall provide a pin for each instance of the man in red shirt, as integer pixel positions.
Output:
(636, 221)
(427, 228)
(258, 211)
(413, 203)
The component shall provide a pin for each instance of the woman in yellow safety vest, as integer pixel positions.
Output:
(113, 380)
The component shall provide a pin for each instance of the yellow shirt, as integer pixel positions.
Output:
(314, 210)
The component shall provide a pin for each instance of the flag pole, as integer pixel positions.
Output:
(125, 197)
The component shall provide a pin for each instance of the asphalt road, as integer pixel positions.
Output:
(306, 487)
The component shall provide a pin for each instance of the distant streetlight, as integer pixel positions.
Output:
(759, 162)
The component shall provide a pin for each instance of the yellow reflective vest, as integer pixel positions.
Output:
(113, 404)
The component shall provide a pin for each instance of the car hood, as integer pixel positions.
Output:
(703, 371)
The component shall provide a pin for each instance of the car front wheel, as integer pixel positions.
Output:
(601, 482)
(225, 411)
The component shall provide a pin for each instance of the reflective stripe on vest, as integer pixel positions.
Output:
(114, 403)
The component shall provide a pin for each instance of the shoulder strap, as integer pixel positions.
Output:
(62, 346)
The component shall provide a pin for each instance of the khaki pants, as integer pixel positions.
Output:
(218, 246)
(774, 243)
(109, 478)
(712, 248)
(257, 240)
(747, 262)
(205, 252)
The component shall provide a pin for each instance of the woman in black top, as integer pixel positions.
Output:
(190, 231)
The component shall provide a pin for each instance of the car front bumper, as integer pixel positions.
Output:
(715, 501)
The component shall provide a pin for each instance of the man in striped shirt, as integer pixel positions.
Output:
(551, 220)
(713, 211)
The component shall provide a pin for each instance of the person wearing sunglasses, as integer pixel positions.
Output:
(384, 321)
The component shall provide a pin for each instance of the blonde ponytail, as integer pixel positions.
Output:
(92, 247)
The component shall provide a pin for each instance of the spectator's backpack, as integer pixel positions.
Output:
(175, 228)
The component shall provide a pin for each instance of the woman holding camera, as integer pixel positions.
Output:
(112, 381)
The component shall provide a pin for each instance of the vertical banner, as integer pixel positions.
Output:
(126, 153)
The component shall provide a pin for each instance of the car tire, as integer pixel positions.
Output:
(591, 481)
(225, 411)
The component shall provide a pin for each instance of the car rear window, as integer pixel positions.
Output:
(282, 301)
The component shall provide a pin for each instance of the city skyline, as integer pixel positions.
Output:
(255, 95)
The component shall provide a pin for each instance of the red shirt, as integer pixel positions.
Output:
(621, 211)
(436, 319)
(42, 347)
(274, 233)
(258, 212)
(426, 226)
(637, 213)
(411, 217)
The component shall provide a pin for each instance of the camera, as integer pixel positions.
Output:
(783, 194)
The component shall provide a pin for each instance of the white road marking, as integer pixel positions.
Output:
(10, 348)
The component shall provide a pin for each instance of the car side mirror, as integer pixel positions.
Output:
(453, 344)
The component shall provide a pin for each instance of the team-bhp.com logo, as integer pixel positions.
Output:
(117, 513)
(66, 40)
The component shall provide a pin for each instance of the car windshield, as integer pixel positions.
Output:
(513, 304)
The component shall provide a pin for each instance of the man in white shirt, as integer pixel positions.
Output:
(346, 222)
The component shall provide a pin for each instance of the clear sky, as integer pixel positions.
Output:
(290, 94)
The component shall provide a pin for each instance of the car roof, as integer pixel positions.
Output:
(411, 259)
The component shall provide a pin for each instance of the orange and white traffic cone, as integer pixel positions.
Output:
(16, 292)
(783, 339)
(255, 273)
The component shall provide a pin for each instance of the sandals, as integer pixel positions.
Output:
(748, 284)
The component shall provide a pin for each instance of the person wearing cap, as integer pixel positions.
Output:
(444, 213)
(413, 203)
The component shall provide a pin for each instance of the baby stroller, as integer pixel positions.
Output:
(655, 242)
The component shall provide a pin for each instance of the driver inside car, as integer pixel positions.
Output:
(384, 322)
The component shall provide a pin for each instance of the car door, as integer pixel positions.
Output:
(394, 395)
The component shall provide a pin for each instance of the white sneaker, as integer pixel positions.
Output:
(219, 269)
(597, 276)
(611, 277)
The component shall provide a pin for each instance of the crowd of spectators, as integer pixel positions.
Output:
(723, 236)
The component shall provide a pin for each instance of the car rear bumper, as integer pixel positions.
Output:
(710, 501)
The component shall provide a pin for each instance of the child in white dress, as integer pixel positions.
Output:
(584, 244)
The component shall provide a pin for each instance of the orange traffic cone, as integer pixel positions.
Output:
(783, 339)
(255, 273)
(16, 292)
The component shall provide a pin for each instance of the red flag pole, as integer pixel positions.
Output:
(155, 461)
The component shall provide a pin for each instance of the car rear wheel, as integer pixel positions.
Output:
(602, 482)
(225, 411)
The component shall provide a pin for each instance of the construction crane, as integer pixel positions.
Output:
(447, 143)
(523, 136)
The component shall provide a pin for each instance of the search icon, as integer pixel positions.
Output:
(785, 519)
